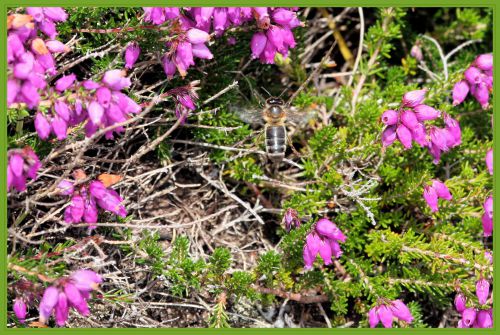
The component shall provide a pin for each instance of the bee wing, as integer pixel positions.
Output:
(251, 116)
(301, 118)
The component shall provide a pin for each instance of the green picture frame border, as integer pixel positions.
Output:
(228, 3)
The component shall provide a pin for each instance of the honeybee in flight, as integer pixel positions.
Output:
(274, 116)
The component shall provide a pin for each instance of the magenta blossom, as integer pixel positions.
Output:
(291, 219)
(22, 164)
(132, 53)
(66, 292)
(435, 191)
(487, 218)
(323, 240)
(387, 311)
(478, 81)
(86, 201)
(489, 161)
(20, 310)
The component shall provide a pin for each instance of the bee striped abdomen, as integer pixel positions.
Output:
(275, 143)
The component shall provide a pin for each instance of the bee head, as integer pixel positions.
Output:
(272, 101)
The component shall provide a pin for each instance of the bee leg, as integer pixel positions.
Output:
(290, 143)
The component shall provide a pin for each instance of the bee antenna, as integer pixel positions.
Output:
(270, 95)
(283, 92)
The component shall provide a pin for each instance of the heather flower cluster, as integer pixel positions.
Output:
(478, 81)
(86, 200)
(291, 219)
(30, 55)
(386, 311)
(433, 192)
(22, 164)
(73, 291)
(99, 105)
(481, 317)
(408, 124)
(323, 240)
(192, 27)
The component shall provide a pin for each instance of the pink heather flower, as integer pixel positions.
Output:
(401, 311)
(197, 36)
(482, 290)
(328, 229)
(48, 302)
(487, 218)
(42, 126)
(489, 161)
(65, 187)
(65, 82)
(385, 315)
(72, 291)
(258, 44)
(56, 46)
(473, 75)
(96, 112)
(202, 51)
(482, 94)
(389, 136)
(414, 98)
(22, 164)
(425, 113)
(419, 135)
(323, 240)
(116, 80)
(74, 212)
(460, 302)
(373, 318)
(131, 54)
(409, 119)
(291, 219)
(453, 128)
(430, 196)
(439, 137)
(484, 319)
(55, 14)
(468, 317)
(416, 52)
(404, 136)
(484, 62)
(460, 91)
(168, 66)
(441, 190)
(103, 95)
(311, 249)
(20, 310)
(390, 117)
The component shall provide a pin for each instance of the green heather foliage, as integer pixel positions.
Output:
(396, 248)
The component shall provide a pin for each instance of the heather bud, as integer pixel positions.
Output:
(131, 54)
(473, 75)
(416, 52)
(390, 117)
(425, 113)
(20, 310)
(42, 126)
(460, 91)
(468, 317)
(258, 44)
(484, 319)
(430, 196)
(460, 302)
(482, 290)
(489, 161)
(389, 136)
(414, 98)
(442, 190)
(404, 136)
(484, 62)
(409, 119)
(196, 36)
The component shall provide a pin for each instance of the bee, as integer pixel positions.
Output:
(274, 116)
